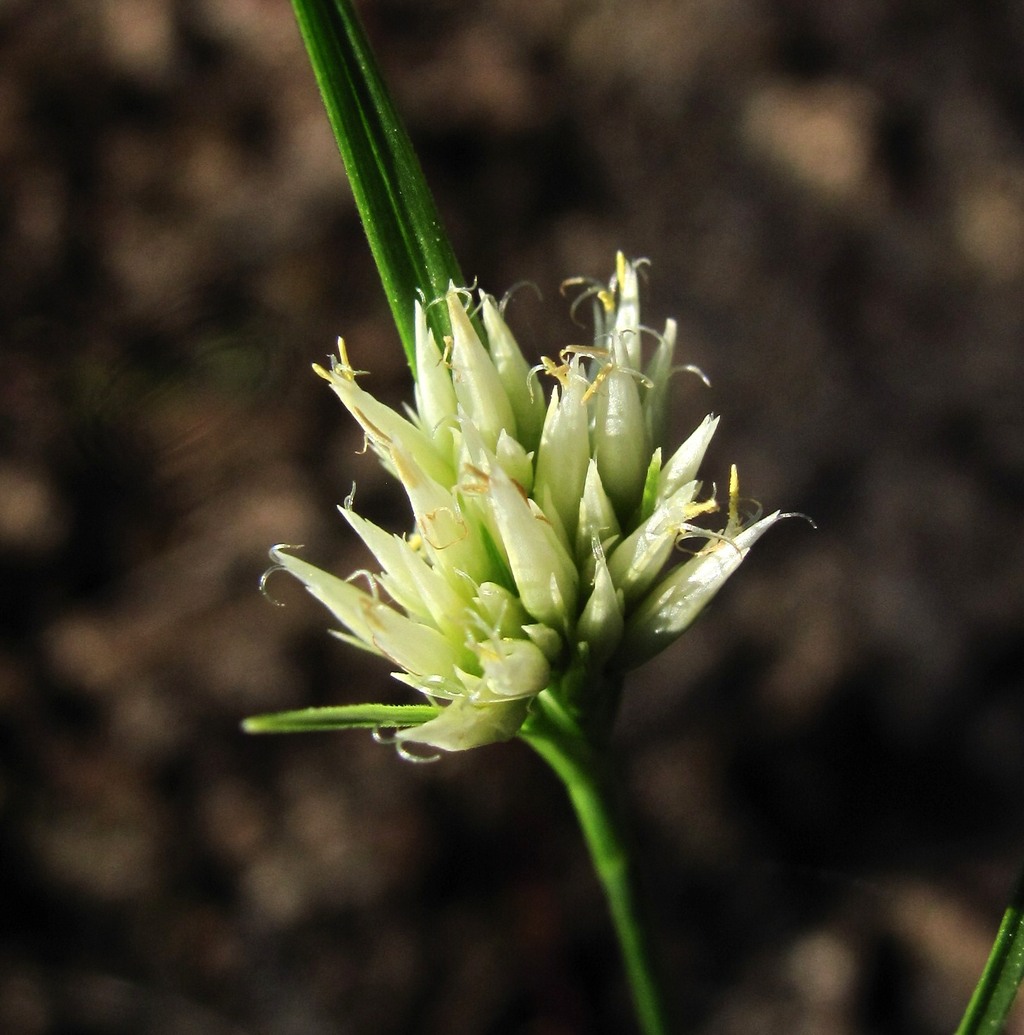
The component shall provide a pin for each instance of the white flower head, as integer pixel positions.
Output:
(544, 547)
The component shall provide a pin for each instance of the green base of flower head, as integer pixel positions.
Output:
(544, 550)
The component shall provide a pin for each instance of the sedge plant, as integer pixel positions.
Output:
(556, 540)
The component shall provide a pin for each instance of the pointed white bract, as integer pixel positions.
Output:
(543, 535)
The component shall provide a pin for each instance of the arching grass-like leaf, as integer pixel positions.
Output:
(409, 244)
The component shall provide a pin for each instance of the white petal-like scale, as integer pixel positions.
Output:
(671, 607)
(477, 384)
(546, 638)
(536, 556)
(634, 563)
(684, 463)
(626, 334)
(409, 579)
(597, 522)
(521, 385)
(435, 393)
(417, 648)
(563, 455)
(513, 668)
(385, 428)
(446, 530)
(659, 372)
(601, 623)
(346, 602)
(464, 724)
(515, 461)
(620, 440)
(500, 610)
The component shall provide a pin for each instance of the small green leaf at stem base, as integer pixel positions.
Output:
(342, 717)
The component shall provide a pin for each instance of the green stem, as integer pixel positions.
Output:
(993, 997)
(585, 770)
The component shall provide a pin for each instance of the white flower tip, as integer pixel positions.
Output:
(341, 367)
(276, 551)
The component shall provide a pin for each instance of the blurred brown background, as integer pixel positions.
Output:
(827, 772)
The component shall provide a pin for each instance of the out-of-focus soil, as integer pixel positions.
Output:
(827, 773)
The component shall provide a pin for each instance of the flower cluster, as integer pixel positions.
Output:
(545, 531)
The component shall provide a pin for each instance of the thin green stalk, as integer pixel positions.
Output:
(993, 997)
(586, 772)
(409, 244)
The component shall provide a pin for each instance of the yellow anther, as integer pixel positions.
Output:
(340, 366)
(596, 383)
(698, 507)
(590, 351)
(620, 270)
(734, 498)
(559, 372)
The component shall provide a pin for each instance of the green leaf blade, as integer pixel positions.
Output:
(409, 244)
(993, 998)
